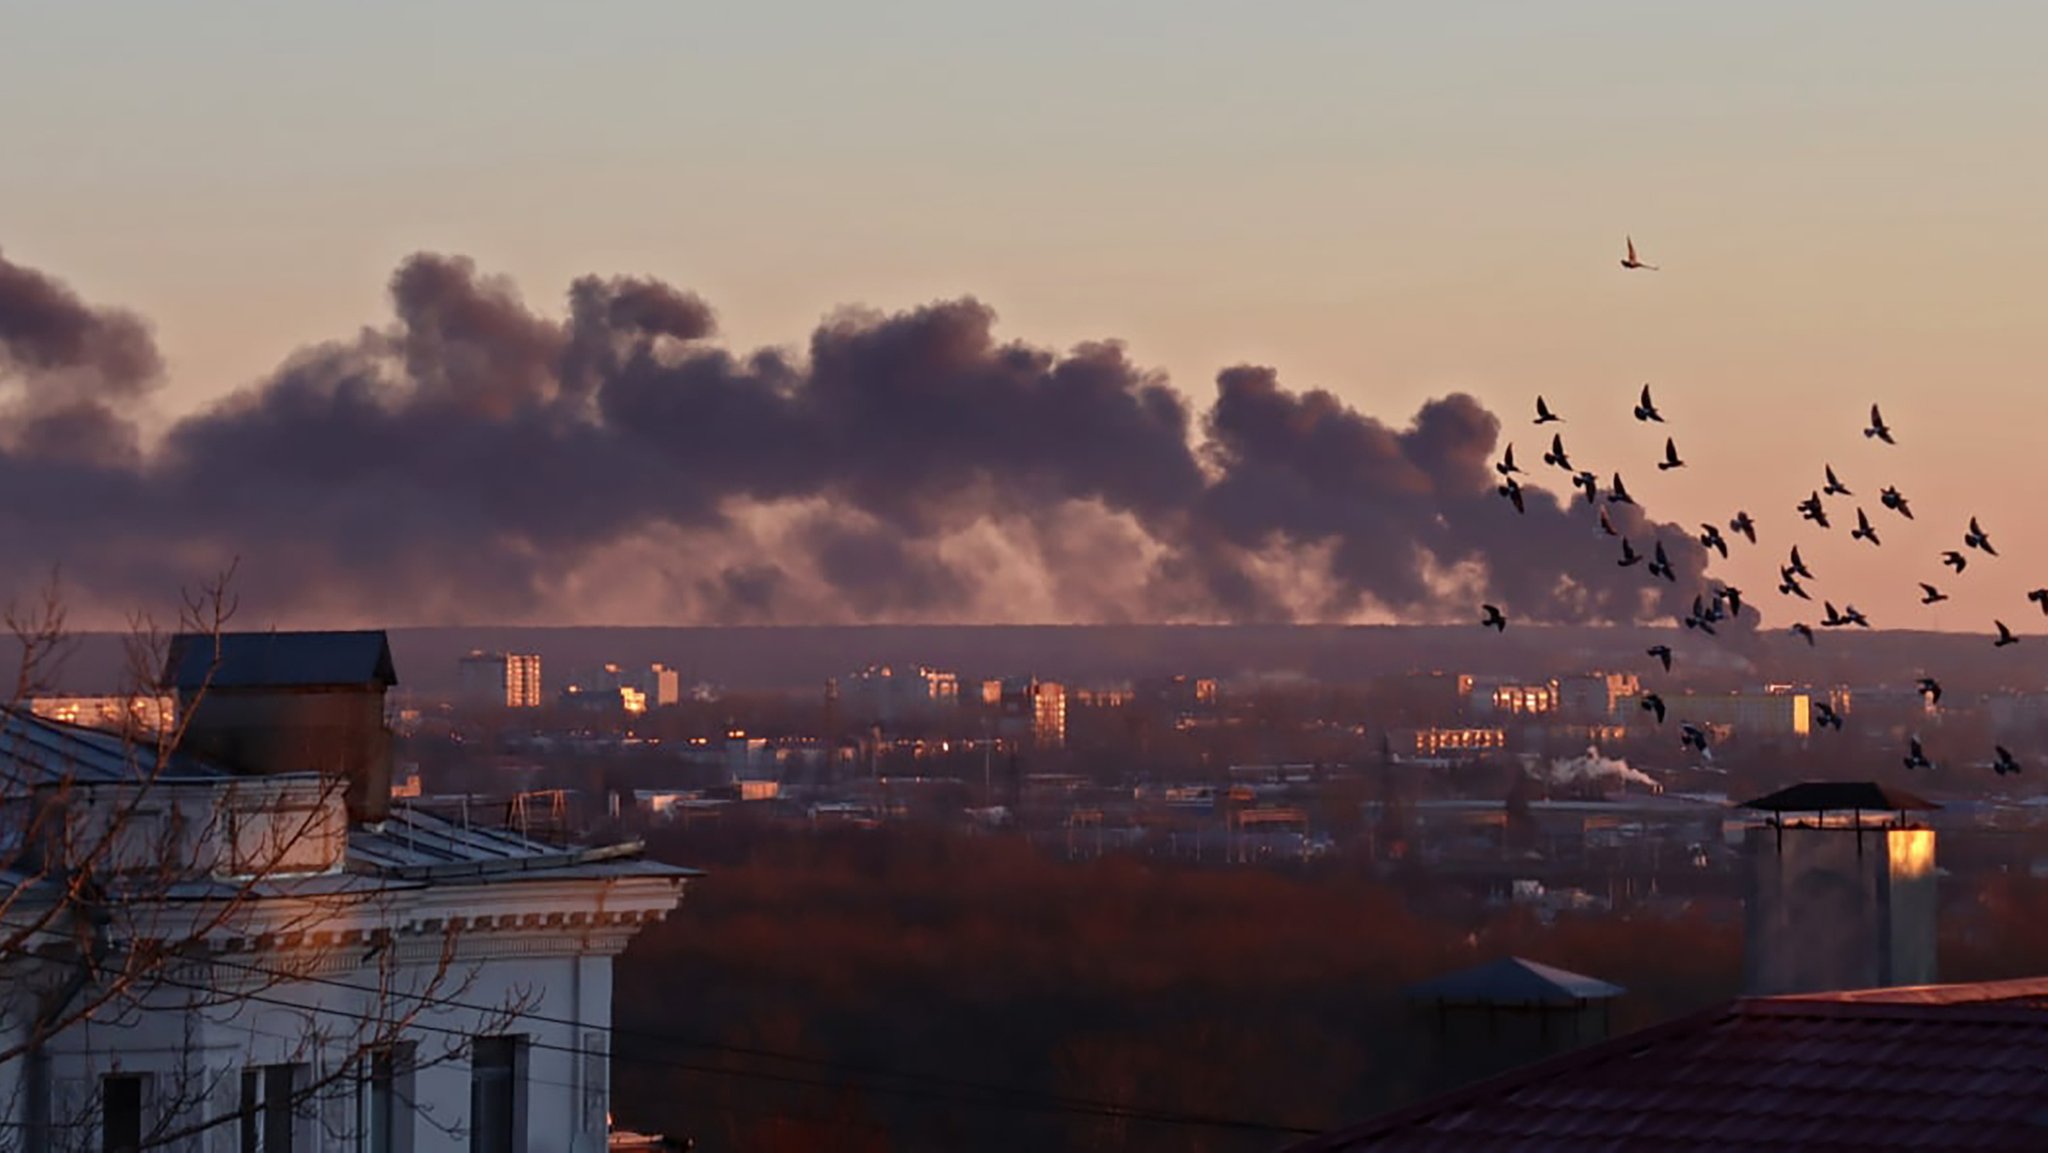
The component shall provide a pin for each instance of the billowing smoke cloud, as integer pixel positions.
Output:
(1591, 768)
(474, 460)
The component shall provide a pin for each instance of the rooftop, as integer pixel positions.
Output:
(1514, 981)
(1962, 1067)
(1840, 796)
(39, 752)
(280, 660)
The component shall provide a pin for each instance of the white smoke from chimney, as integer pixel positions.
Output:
(1592, 767)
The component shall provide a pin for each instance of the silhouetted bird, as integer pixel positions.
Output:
(1607, 524)
(2005, 636)
(1670, 460)
(2005, 762)
(1493, 619)
(1834, 619)
(1811, 509)
(1929, 595)
(1798, 567)
(1955, 560)
(1652, 703)
(1692, 736)
(1744, 525)
(1590, 483)
(1662, 653)
(1711, 537)
(2039, 597)
(1556, 454)
(1803, 629)
(1629, 555)
(1513, 491)
(1619, 494)
(1892, 499)
(1660, 565)
(1646, 409)
(1916, 757)
(1630, 260)
(1507, 461)
(1851, 616)
(1877, 427)
(1863, 531)
(1733, 596)
(1834, 485)
(1976, 538)
(1544, 415)
(1698, 618)
(1825, 716)
(1788, 584)
(1931, 689)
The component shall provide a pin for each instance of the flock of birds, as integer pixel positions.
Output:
(1714, 605)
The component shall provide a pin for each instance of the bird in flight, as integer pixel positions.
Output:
(1929, 595)
(1955, 560)
(1878, 428)
(1810, 509)
(1670, 460)
(1692, 736)
(1607, 524)
(1699, 618)
(1851, 615)
(1798, 566)
(1660, 565)
(1803, 629)
(1834, 618)
(1744, 525)
(1620, 494)
(1629, 555)
(1892, 499)
(1978, 539)
(1863, 531)
(1544, 415)
(1646, 409)
(1711, 537)
(1507, 461)
(1513, 491)
(2039, 597)
(1662, 653)
(2005, 636)
(1493, 619)
(1834, 486)
(1931, 689)
(1591, 484)
(1630, 260)
(1556, 454)
(1825, 716)
(1652, 703)
(1788, 584)
(2005, 762)
(1732, 595)
(1916, 757)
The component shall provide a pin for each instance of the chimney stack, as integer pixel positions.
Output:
(1841, 890)
(269, 703)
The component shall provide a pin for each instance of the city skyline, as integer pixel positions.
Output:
(1344, 196)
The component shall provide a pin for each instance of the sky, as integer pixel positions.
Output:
(1390, 202)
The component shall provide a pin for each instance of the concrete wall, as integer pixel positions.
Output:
(338, 733)
(1838, 908)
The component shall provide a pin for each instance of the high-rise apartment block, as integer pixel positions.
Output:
(510, 680)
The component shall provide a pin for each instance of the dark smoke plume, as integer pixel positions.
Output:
(476, 461)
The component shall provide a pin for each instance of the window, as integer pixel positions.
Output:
(121, 1113)
(267, 1108)
(388, 1101)
(497, 1095)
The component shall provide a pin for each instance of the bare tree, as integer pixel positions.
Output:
(139, 887)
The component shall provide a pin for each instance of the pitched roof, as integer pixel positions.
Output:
(416, 844)
(1514, 981)
(37, 751)
(1961, 1067)
(280, 660)
(1839, 796)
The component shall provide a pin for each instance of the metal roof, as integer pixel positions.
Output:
(1840, 796)
(414, 843)
(1952, 1067)
(280, 660)
(1514, 981)
(37, 751)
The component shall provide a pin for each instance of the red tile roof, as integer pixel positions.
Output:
(1962, 1067)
